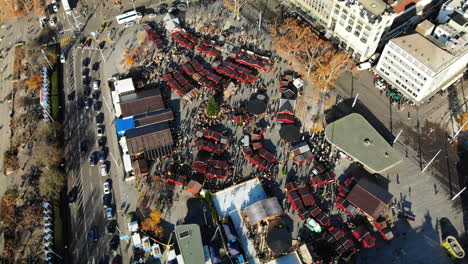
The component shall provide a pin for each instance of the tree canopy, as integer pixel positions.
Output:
(212, 107)
(51, 184)
(152, 224)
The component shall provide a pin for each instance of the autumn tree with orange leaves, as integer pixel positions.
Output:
(152, 224)
(34, 81)
(129, 59)
(310, 55)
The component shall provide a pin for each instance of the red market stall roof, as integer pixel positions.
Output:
(285, 118)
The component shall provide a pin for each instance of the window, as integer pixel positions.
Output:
(345, 11)
(337, 12)
(368, 28)
(364, 40)
(349, 28)
(351, 22)
(360, 22)
(343, 16)
(357, 33)
(358, 27)
(342, 22)
(352, 16)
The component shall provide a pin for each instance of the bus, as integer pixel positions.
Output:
(127, 17)
(66, 7)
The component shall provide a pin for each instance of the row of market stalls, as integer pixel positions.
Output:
(254, 150)
(143, 125)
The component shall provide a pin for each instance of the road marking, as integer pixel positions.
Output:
(107, 105)
(90, 172)
(112, 156)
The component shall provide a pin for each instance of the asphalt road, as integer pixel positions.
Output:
(79, 125)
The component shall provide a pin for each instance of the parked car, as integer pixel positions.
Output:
(96, 85)
(55, 8)
(102, 155)
(71, 97)
(96, 66)
(88, 103)
(80, 102)
(99, 118)
(103, 170)
(96, 95)
(73, 194)
(100, 130)
(112, 226)
(114, 243)
(102, 141)
(93, 235)
(106, 187)
(92, 159)
(364, 66)
(97, 106)
(109, 213)
(86, 62)
(62, 58)
(106, 200)
(84, 146)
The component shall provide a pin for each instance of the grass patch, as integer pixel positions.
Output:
(9, 96)
(214, 214)
(55, 97)
(58, 228)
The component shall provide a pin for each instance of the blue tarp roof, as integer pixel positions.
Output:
(123, 125)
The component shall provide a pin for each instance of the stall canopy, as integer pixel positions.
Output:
(263, 210)
(123, 125)
(290, 133)
(279, 240)
(256, 106)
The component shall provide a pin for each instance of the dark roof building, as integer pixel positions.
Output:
(263, 210)
(153, 141)
(140, 167)
(145, 101)
(370, 198)
(190, 243)
(353, 135)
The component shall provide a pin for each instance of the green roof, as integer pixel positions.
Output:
(190, 243)
(353, 135)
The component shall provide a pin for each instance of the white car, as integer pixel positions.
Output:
(100, 131)
(106, 187)
(152, 15)
(52, 22)
(364, 66)
(130, 24)
(96, 85)
(55, 8)
(62, 58)
(103, 170)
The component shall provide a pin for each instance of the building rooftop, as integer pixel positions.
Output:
(353, 135)
(262, 210)
(375, 7)
(190, 243)
(124, 86)
(231, 201)
(369, 197)
(141, 102)
(154, 140)
(423, 50)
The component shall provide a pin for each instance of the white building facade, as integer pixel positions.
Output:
(418, 66)
(364, 26)
(360, 25)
